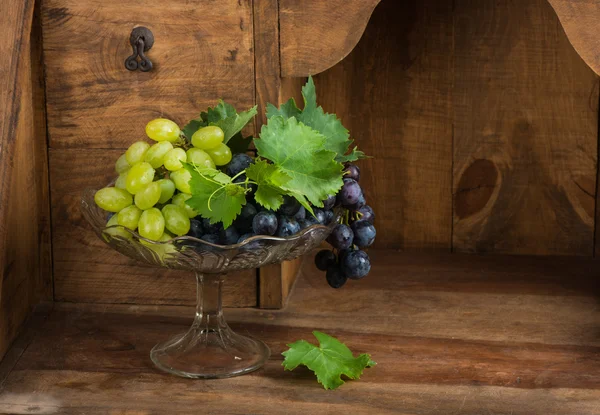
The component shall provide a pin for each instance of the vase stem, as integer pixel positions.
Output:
(209, 308)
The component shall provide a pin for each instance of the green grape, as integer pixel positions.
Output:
(179, 200)
(156, 154)
(136, 152)
(148, 196)
(129, 217)
(208, 137)
(176, 219)
(113, 199)
(174, 158)
(161, 129)
(220, 155)
(121, 182)
(118, 231)
(122, 165)
(167, 189)
(200, 158)
(139, 176)
(151, 224)
(161, 249)
(181, 178)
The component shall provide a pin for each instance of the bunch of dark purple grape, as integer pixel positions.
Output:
(349, 237)
(254, 219)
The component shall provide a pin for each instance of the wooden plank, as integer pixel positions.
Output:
(451, 334)
(397, 108)
(266, 56)
(274, 280)
(525, 133)
(315, 35)
(24, 208)
(202, 52)
(581, 21)
(87, 270)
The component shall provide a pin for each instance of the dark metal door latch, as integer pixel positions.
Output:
(141, 41)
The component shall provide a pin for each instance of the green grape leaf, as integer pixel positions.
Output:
(214, 196)
(286, 110)
(337, 137)
(298, 151)
(269, 179)
(239, 144)
(329, 361)
(224, 116)
(354, 155)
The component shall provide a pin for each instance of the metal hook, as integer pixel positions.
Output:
(141, 40)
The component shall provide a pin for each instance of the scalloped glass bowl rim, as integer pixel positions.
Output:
(254, 238)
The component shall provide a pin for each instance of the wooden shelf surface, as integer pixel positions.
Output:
(452, 334)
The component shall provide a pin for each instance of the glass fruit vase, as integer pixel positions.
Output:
(209, 349)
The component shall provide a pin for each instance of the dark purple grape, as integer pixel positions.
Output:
(320, 216)
(329, 203)
(364, 233)
(367, 214)
(341, 237)
(325, 259)
(244, 220)
(264, 223)
(356, 264)
(287, 226)
(350, 193)
(329, 215)
(290, 206)
(196, 229)
(343, 252)
(301, 214)
(335, 277)
(360, 203)
(352, 172)
(212, 238)
(212, 228)
(238, 163)
(229, 236)
(308, 221)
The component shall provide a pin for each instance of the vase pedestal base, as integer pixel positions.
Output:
(210, 354)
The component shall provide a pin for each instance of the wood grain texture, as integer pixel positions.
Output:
(87, 270)
(24, 208)
(274, 281)
(202, 52)
(397, 106)
(266, 56)
(315, 35)
(525, 133)
(581, 22)
(451, 334)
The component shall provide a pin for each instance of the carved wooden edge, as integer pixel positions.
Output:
(581, 22)
(315, 35)
(16, 19)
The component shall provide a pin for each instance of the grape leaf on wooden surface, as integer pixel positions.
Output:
(329, 361)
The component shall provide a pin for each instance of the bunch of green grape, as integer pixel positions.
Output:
(150, 193)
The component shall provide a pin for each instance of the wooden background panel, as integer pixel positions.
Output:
(202, 52)
(87, 270)
(393, 93)
(315, 34)
(25, 223)
(525, 132)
